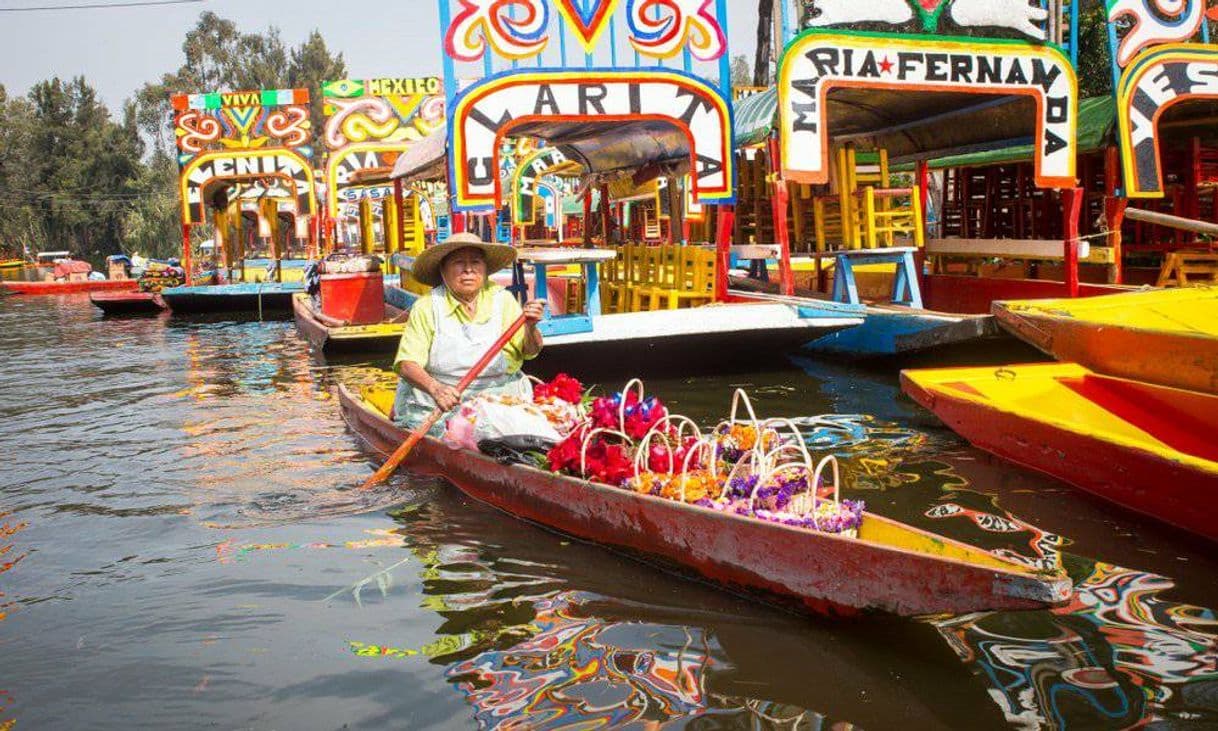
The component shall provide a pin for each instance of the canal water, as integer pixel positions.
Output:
(183, 545)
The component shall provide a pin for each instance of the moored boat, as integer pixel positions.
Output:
(889, 567)
(87, 285)
(249, 297)
(12, 263)
(331, 336)
(127, 303)
(1163, 336)
(1145, 447)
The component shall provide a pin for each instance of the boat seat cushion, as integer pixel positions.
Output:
(381, 399)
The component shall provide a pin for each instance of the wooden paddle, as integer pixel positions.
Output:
(401, 453)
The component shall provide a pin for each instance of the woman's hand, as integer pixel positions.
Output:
(445, 396)
(534, 310)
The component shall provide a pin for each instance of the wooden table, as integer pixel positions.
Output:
(543, 257)
(757, 255)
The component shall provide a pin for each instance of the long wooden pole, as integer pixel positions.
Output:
(1170, 221)
(403, 451)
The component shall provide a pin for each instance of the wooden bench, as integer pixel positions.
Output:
(1028, 249)
(905, 288)
(1180, 266)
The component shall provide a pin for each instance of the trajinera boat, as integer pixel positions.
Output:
(1148, 448)
(88, 285)
(889, 567)
(328, 335)
(1163, 336)
(128, 303)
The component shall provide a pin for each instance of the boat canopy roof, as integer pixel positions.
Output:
(424, 160)
(950, 129)
(1096, 130)
(601, 147)
(611, 146)
(755, 117)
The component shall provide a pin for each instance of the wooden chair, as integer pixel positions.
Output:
(695, 279)
(660, 276)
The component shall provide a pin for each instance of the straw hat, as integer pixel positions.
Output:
(426, 267)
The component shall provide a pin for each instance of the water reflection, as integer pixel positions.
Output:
(142, 437)
(9, 557)
(1118, 656)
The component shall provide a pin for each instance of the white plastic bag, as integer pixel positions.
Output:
(489, 418)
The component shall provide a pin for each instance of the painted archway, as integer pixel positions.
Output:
(530, 178)
(819, 61)
(488, 111)
(1156, 80)
(210, 167)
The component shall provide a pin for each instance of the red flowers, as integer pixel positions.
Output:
(563, 387)
(603, 460)
(640, 416)
(609, 454)
(660, 458)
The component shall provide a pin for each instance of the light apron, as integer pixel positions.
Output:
(455, 348)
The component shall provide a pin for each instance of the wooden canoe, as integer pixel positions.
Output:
(12, 263)
(338, 338)
(1164, 336)
(127, 303)
(92, 285)
(1148, 448)
(890, 567)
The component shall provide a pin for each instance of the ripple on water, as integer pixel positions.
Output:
(188, 546)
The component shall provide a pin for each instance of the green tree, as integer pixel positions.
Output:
(310, 65)
(742, 75)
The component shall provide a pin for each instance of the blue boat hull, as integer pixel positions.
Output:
(894, 330)
(248, 297)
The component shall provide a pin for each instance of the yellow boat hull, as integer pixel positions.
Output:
(1148, 448)
(1168, 337)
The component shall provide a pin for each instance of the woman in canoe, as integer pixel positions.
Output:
(450, 328)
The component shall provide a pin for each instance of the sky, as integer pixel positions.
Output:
(118, 49)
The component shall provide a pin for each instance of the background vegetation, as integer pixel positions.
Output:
(76, 176)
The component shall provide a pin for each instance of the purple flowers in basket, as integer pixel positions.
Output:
(829, 518)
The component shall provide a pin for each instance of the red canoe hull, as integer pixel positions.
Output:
(816, 572)
(100, 285)
(1135, 479)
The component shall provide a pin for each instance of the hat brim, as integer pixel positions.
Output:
(426, 268)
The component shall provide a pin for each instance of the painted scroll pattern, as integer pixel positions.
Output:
(246, 137)
(1025, 17)
(522, 29)
(1154, 22)
(480, 22)
(369, 123)
(238, 121)
(662, 28)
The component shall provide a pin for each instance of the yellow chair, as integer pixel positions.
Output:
(610, 277)
(695, 282)
(647, 273)
(664, 281)
(627, 278)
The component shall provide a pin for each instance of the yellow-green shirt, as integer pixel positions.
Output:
(420, 331)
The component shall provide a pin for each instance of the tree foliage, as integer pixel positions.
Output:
(75, 176)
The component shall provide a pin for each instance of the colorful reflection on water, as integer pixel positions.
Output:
(204, 558)
(1118, 656)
